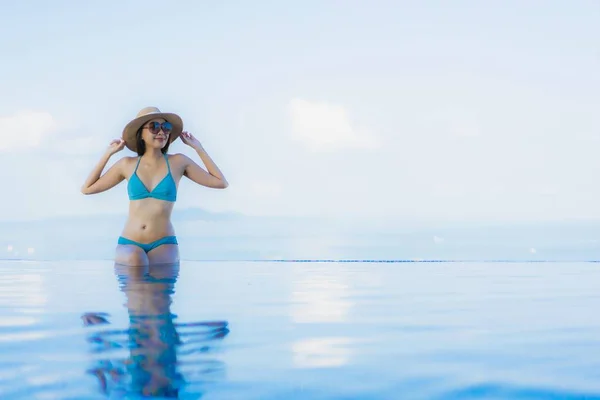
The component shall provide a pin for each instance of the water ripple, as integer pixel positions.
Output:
(146, 358)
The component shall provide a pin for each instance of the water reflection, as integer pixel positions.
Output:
(153, 355)
(319, 294)
(23, 291)
(322, 352)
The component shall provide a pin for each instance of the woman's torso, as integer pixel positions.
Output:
(152, 191)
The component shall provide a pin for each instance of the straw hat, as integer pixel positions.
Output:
(147, 114)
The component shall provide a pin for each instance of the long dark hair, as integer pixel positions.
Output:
(141, 145)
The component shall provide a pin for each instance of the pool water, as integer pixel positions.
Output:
(300, 330)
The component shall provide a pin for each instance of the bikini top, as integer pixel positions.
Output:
(165, 190)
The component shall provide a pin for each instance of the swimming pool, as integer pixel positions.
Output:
(299, 330)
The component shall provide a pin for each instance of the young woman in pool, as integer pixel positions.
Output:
(153, 177)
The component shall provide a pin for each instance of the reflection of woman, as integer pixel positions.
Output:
(153, 177)
(152, 339)
(152, 333)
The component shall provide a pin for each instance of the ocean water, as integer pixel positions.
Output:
(81, 329)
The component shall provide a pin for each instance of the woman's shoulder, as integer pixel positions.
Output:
(178, 161)
(126, 160)
(177, 157)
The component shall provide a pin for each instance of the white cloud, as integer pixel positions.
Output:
(326, 127)
(25, 129)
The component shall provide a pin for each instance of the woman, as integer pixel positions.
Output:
(153, 177)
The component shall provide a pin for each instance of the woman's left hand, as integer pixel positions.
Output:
(190, 140)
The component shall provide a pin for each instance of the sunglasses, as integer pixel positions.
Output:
(155, 127)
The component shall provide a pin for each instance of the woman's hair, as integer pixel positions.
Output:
(141, 145)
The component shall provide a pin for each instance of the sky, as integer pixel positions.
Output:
(462, 110)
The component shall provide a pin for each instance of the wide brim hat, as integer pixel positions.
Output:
(147, 114)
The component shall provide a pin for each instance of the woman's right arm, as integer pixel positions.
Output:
(96, 183)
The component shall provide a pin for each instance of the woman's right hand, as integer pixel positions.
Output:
(115, 146)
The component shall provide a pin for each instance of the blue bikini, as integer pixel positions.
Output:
(166, 190)
(149, 246)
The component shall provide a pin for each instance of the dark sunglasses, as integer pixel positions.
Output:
(155, 127)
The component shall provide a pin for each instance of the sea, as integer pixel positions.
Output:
(301, 309)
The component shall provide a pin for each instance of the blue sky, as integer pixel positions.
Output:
(462, 111)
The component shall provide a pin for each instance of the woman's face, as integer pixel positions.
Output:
(156, 133)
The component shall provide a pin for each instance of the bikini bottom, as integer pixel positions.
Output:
(149, 246)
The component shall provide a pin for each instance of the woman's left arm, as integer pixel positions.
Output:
(213, 178)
